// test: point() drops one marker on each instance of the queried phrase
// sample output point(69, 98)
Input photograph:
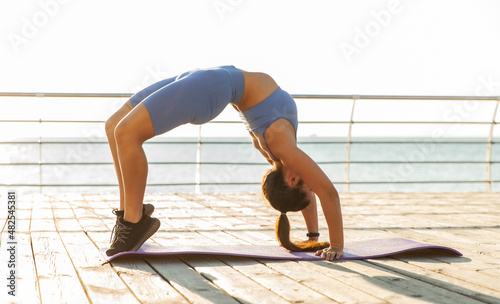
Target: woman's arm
point(316, 179)
point(286, 150)
point(311, 217)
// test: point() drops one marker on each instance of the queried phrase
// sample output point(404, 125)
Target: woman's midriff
point(258, 86)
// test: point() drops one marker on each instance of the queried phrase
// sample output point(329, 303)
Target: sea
point(231, 164)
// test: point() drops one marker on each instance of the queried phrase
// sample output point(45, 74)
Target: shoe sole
point(155, 225)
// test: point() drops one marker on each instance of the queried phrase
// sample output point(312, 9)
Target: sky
point(371, 47)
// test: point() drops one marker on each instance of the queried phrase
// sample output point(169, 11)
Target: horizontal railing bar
point(97, 142)
point(48, 121)
point(371, 122)
point(300, 96)
point(244, 142)
point(77, 95)
point(248, 183)
point(250, 164)
point(150, 163)
point(239, 122)
point(392, 97)
point(364, 162)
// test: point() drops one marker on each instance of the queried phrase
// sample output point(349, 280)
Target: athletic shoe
point(146, 209)
point(130, 236)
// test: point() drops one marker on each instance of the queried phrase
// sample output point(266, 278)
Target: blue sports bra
point(276, 106)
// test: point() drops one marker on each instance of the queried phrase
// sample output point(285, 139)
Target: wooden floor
point(59, 261)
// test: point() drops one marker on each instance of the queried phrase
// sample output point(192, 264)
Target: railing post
point(347, 178)
point(40, 159)
point(489, 149)
point(197, 188)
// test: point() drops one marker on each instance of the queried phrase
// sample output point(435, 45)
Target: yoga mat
point(353, 250)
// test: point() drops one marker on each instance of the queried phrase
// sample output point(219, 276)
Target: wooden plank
point(231, 223)
point(257, 241)
point(23, 225)
point(234, 283)
point(467, 268)
point(479, 241)
point(101, 282)
point(93, 224)
point(469, 242)
point(455, 271)
point(237, 285)
point(283, 286)
point(145, 282)
point(465, 288)
point(27, 279)
point(192, 285)
point(247, 218)
point(342, 293)
point(27, 286)
point(350, 286)
point(55, 270)
point(137, 274)
point(41, 225)
point(186, 212)
point(424, 290)
point(481, 271)
point(63, 213)
point(292, 288)
point(221, 274)
point(211, 200)
point(364, 280)
point(384, 284)
point(68, 225)
point(142, 279)
point(187, 224)
point(465, 239)
point(42, 218)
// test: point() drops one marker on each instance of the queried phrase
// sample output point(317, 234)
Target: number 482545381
point(11, 217)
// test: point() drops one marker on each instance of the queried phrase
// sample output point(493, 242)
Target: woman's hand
point(330, 253)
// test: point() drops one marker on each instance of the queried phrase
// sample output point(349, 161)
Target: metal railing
point(488, 162)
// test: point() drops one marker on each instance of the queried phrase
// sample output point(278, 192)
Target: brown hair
point(284, 199)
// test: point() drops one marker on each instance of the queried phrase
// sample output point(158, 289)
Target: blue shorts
point(194, 97)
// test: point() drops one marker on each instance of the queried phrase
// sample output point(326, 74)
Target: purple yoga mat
point(353, 250)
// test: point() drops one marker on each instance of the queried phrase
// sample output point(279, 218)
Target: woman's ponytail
point(282, 229)
point(286, 199)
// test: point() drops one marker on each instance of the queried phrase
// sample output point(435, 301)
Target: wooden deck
point(59, 237)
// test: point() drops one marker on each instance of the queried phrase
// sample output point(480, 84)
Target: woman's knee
point(113, 121)
point(121, 132)
point(110, 126)
point(135, 128)
point(126, 132)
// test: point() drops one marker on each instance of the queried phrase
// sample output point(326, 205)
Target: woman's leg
point(113, 121)
point(130, 133)
point(110, 127)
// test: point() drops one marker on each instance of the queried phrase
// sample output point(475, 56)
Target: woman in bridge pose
point(196, 97)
